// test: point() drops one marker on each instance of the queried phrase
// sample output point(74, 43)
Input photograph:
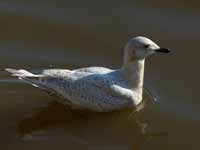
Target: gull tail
point(19, 73)
point(28, 77)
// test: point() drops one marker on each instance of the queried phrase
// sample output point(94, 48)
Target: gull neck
point(134, 74)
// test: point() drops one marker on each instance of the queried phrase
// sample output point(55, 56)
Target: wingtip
point(13, 72)
point(10, 70)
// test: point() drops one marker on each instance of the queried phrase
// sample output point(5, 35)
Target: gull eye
point(146, 46)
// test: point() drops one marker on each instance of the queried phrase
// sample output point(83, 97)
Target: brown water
point(70, 34)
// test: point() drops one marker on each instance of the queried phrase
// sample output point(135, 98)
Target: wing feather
point(95, 91)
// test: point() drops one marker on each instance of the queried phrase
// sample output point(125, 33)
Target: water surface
point(72, 34)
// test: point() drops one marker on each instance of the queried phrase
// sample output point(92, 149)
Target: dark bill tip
point(163, 50)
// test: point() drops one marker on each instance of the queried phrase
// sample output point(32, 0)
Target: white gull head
point(138, 48)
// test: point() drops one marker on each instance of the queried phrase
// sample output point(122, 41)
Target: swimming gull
point(98, 88)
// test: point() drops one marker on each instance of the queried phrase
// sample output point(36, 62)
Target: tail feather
point(33, 79)
point(30, 78)
point(27, 77)
point(19, 73)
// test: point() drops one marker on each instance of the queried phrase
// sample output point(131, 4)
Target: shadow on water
point(126, 128)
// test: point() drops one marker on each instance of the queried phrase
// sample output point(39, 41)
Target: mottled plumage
point(97, 88)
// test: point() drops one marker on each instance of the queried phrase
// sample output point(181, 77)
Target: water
point(71, 34)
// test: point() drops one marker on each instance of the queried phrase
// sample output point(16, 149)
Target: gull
point(98, 88)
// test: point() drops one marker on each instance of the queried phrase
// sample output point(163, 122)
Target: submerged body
point(96, 88)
